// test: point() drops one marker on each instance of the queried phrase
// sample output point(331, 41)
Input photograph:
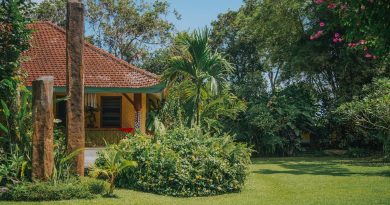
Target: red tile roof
point(47, 57)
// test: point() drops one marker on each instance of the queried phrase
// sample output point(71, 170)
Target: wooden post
point(75, 82)
point(137, 108)
point(42, 121)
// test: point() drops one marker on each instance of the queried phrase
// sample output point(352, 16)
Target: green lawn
point(284, 181)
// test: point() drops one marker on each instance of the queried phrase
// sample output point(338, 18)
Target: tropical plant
point(14, 39)
point(185, 162)
point(204, 70)
point(22, 121)
point(110, 164)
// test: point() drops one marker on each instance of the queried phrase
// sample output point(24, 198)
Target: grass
point(282, 181)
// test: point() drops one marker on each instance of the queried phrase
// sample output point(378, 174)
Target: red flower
point(332, 6)
point(126, 130)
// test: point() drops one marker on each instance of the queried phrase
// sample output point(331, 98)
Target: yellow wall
point(128, 112)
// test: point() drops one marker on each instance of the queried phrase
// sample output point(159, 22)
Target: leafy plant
point(14, 40)
point(203, 69)
point(185, 162)
point(110, 164)
point(95, 186)
point(370, 114)
point(280, 119)
point(47, 191)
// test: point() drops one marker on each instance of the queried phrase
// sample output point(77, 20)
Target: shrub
point(45, 191)
point(185, 162)
point(358, 152)
point(96, 186)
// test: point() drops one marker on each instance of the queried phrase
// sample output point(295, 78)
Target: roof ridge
point(105, 53)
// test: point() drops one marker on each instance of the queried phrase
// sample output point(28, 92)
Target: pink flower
point(312, 38)
point(336, 35)
point(362, 42)
point(322, 24)
point(319, 1)
point(332, 6)
point(338, 40)
point(374, 57)
point(368, 55)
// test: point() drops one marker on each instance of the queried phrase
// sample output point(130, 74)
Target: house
point(116, 93)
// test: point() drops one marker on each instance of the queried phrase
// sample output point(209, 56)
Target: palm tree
point(198, 63)
point(112, 164)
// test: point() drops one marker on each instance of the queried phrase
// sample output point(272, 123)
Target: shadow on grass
point(315, 167)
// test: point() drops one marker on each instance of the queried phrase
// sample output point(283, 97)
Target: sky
point(197, 13)
point(200, 13)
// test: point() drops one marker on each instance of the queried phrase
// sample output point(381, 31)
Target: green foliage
point(46, 191)
point(53, 11)
point(363, 25)
point(357, 152)
point(14, 39)
point(370, 114)
point(185, 162)
point(15, 152)
point(270, 45)
point(129, 29)
point(158, 61)
point(280, 119)
point(13, 166)
point(202, 70)
point(111, 163)
point(96, 186)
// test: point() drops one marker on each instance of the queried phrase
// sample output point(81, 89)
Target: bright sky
point(197, 13)
point(200, 13)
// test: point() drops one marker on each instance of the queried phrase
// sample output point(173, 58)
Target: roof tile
point(47, 56)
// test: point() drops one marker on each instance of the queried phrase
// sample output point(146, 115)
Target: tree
point(242, 52)
point(206, 70)
point(370, 114)
point(14, 40)
point(129, 29)
point(53, 11)
point(157, 61)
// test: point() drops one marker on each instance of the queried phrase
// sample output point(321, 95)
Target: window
point(61, 110)
point(111, 112)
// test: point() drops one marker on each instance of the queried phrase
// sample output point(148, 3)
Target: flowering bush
point(363, 24)
point(185, 162)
